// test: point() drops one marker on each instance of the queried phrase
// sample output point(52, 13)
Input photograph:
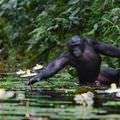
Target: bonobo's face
point(76, 46)
point(77, 51)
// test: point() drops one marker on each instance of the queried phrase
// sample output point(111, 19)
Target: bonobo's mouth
point(77, 53)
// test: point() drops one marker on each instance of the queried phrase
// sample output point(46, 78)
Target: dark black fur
point(85, 56)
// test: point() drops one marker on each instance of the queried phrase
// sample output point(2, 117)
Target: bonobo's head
point(76, 46)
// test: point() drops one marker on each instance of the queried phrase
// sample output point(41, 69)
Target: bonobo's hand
point(33, 80)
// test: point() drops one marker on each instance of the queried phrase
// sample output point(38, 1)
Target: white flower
point(28, 74)
point(20, 72)
point(118, 94)
point(85, 99)
point(37, 67)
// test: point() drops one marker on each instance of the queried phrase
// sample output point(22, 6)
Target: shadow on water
point(53, 104)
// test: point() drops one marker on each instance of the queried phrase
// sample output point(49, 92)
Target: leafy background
point(34, 31)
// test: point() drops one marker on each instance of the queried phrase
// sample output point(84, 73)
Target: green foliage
point(36, 30)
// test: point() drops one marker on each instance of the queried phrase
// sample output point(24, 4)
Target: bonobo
point(85, 56)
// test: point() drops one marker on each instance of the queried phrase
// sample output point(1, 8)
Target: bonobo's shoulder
point(92, 41)
point(65, 54)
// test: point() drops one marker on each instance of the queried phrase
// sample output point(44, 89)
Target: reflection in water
point(58, 104)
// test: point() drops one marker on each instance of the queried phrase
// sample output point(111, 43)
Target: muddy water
point(48, 103)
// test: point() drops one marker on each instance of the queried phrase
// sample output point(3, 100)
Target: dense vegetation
point(35, 30)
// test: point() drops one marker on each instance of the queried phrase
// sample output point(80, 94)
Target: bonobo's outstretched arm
point(50, 70)
point(107, 49)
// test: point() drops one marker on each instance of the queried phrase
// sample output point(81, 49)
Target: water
point(44, 102)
